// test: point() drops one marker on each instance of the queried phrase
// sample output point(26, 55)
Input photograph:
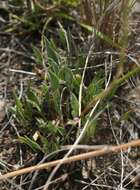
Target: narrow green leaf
point(54, 80)
point(32, 144)
point(90, 131)
point(38, 55)
point(74, 105)
point(66, 75)
point(51, 50)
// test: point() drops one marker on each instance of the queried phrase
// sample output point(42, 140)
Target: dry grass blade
point(83, 156)
point(2, 110)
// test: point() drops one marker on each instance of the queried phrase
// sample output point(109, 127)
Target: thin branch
point(75, 158)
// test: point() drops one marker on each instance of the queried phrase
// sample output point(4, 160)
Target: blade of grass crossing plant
point(64, 37)
point(100, 35)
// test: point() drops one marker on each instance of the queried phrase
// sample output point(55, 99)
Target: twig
point(22, 72)
point(64, 148)
point(85, 147)
point(75, 158)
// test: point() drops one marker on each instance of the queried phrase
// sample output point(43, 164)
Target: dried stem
point(107, 92)
point(83, 156)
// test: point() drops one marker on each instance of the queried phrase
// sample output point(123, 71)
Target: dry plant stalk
point(83, 156)
point(112, 87)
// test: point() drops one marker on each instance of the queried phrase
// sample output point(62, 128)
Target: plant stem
point(107, 92)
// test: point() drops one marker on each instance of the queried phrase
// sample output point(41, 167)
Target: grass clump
point(51, 111)
point(48, 114)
